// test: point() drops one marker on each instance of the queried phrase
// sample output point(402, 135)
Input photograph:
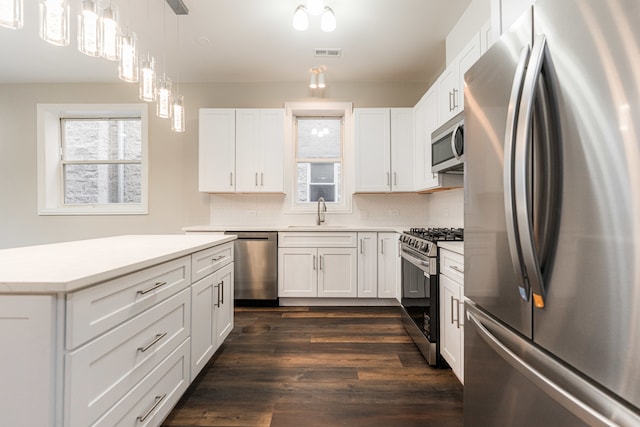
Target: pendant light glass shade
point(313, 81)
point(148, 79)
point(300, 19)
point(128, 67)
point(11, 14)
point(163, 106)
point(110, 34)
point(89, 29)
point(178, 118)
point(328, 20)
point(54, 22)
point(321, 83)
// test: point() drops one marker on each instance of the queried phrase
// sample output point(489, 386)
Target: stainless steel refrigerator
point(552, 220)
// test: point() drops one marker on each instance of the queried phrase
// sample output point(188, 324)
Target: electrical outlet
point(393, 212)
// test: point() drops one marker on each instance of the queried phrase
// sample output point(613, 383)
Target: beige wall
point(174, 200)
point(473, 18)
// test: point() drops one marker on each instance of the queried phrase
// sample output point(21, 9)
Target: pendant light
point(300, 19)
point(110, 34)
point(54, 21)
point(11, 14)
point(163, 106)
point(128, 67)
point(148, 72)
point(89, 29)
point(328, 20)
point(177, 102)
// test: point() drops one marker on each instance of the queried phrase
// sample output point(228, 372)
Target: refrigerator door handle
point(533, 274)
point(508, 173)
point(586, 412)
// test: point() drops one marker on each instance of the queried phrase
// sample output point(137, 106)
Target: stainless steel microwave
point(447, 146)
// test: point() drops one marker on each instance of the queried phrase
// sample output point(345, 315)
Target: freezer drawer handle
point(567, 400)
point(158, 399)
point(218, 258)
point(458, 269)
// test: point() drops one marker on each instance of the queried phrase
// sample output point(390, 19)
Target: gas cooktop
point(437, 234)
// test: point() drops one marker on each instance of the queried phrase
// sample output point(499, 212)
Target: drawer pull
point(152, 343)
point(216, 259)
point(150, 411)
point(458, 269)
point(153, 288)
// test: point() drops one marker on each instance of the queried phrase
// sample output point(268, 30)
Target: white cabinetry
point(241, 150)
point(486, 37)
point(368, 265)
point(217, 150)
point(511, 10)
point(452, 310)
point(259, 150)
point(451, 81)
point(388, 266)
point(321, 264)
point(384, 149)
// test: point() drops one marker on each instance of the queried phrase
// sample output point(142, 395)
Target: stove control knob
point(424, 246)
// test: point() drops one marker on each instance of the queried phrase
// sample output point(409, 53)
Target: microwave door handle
point(522, 172)
point(508, 172)
point(453, 142)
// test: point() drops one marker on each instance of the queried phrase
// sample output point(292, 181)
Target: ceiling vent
point(327, 52)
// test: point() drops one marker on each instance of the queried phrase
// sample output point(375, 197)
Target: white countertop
point(69, 266)
point(327, 227)
point(457, 247)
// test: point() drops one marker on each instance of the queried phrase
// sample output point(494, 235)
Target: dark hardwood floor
point(304, 366)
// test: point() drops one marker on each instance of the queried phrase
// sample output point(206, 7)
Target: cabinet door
point(224, 303)
point(28, 392)
point(426, 121)
point(367, 265)
point(337, 272)
point(388, 266)
point(450, 324)
point(271, 151)
point(297, 272)
point(203, 323)
point(247, 142)
point(216, 156)
point(373, 149)
point(402, 154)
point(448, 92)
point(466, 59)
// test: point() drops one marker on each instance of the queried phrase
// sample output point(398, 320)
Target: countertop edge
point(457, 247)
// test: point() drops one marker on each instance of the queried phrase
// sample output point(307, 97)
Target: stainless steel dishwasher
point(256, 267)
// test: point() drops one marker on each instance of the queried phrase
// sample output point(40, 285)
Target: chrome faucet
point(321, 211)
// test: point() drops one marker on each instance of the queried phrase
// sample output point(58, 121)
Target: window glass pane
point(319, 138)
point(322, 172)
point(102, 184)
point(319, 179)
point(102, 139)
point(321, 190)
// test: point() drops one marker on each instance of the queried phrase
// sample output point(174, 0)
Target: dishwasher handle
point(255, 235)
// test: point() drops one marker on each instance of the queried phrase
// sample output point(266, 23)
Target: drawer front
point(320, 239)
point(209, 260)
point(95, 310)
point(151, 400)
point(99, 374)
point(452, 265)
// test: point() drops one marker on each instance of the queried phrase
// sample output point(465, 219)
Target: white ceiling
point(250, 41)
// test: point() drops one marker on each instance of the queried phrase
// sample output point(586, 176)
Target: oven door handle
point(421, 264)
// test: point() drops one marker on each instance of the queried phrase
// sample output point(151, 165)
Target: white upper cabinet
point(259, 150)
point(451, 82)
point(511, 10)
point(241, 150)
point(384, 149)
point(486, 37)
point(217, 155)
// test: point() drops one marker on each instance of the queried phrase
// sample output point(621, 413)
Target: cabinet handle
point(217, 304)
point(460, 303)
point(361, 246)
point(216, 259)
point(314, 262)
point(155, 405)
point(457, 311)
point(320, 262)
point(450, 102)
point(382, 246)
point(256, 179)
point(388, 179)
point(395, 179)
point(152, 343)
point(262, 179)
point(452, 318)
point(455, 104)
point(153, 288)
point(231, 179)
point(222, 292)
point(458, 269)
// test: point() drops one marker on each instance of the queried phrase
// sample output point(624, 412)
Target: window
point(92, 159)
point(319, 154)
point(319, 159)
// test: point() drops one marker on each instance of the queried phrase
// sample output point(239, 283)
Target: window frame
point(50, 160)
point(343, 110)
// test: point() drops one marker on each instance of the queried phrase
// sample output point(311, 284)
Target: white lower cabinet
point(368, 265)
point(452, 311)
point(321, 264)
point(388, 266)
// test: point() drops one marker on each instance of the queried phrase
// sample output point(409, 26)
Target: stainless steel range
point(420, 314)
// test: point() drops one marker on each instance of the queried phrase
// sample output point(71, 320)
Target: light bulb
point(328, 20)
point(313, 83)
point(128, 67)
point(321, 83)
point(178, 119)
point(110, 35)
point(88, 29)
point(148, 79)
point(300, 19)
point(163, 106)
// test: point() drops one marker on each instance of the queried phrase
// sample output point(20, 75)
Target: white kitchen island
point(101, 332)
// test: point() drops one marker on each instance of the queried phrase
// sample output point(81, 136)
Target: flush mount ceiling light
point(314, 8)
point(11, 14)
